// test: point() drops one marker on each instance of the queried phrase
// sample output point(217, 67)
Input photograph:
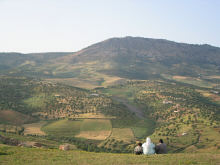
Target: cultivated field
point(194, 81)
point(92, 116)
point(95, 129)
point(88, 79)
point(65, 128)
point(95, 125)
point(190, 80)
point(34, 128)
point(94, 135)
point(213, 96)
point(124, 134)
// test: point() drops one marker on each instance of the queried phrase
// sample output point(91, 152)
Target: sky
point(69, 25)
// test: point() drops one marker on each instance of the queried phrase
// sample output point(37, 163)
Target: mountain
point(153, 97)
point(135, 57)
point(114, 59)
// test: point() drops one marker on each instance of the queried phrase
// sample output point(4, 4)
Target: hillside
point(187, 119)
point(41, 99)
point(111, 119)
point(18, 155)
point(35, 107)
point(135, 57)
point(130, 88)
point(114, 60)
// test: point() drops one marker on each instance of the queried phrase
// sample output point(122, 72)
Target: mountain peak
point(138, 57)
point(132, 56)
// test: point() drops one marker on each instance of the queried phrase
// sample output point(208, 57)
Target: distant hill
point(14, 59)
point(135, 57)
point(129, 57)
point(32, 64)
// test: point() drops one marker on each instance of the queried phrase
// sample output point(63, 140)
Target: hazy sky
point(70, 25)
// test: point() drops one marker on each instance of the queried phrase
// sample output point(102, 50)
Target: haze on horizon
point(53, 25)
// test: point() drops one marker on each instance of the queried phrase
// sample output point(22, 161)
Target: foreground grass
point(31, 156)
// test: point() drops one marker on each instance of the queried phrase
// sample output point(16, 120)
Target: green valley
point(108, 97)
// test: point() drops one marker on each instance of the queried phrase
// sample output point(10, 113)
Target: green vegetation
point(180, 112)
point(37, 101)
point(135, 87)
point(95, 125)
point(34, 128)
point(15, 137)
point(112, 119)
point(63, 128)
point(47, 100)
point(95, 129)
point(31, 156)
point(200, 82)
point(143, 128)
point(69, 111)
point(109, 62)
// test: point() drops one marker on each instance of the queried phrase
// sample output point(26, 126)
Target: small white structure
point(94, 94)
point(215, 92)
point(184, 133)
point(167, 102)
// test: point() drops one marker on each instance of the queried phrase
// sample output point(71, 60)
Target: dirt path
point(138, 112)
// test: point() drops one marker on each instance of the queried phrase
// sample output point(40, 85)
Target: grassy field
point(208, 94)
point(126, 93)
point(65, 128)
point(96, 125)
point(143, 128)
point(190, 80)
point(93, 116)
point(36, 101)
point(95, 129)
point(34, 128)
point(88, 79)
point(209, 139)
point(33, 156)
point(124, 134)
